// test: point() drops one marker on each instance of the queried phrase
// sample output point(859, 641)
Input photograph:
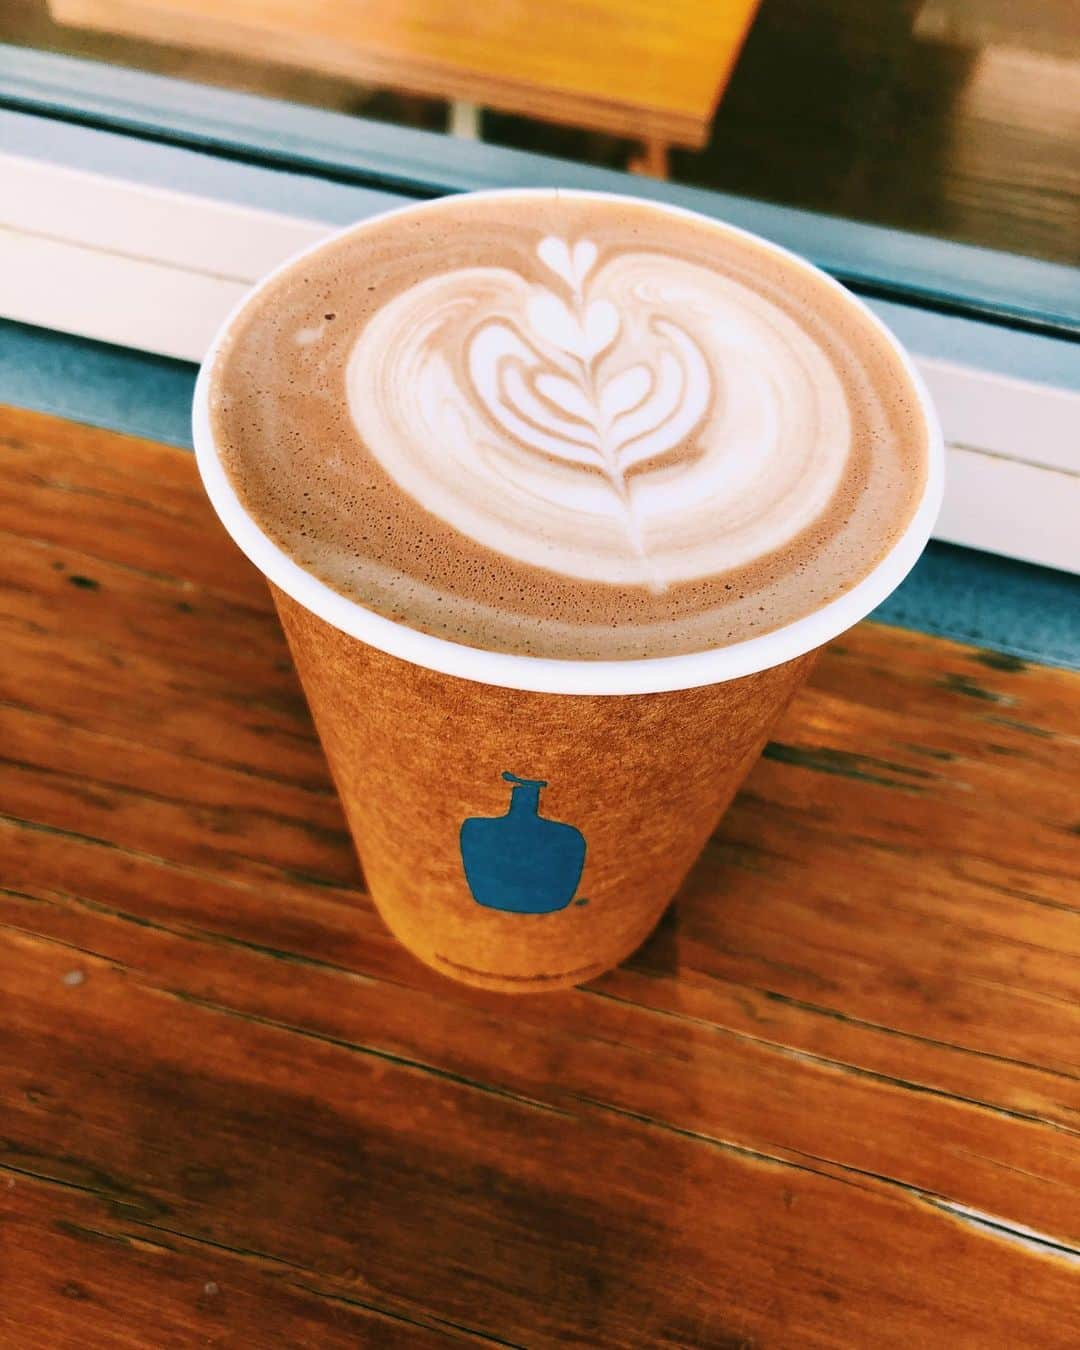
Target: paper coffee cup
point(523, 822)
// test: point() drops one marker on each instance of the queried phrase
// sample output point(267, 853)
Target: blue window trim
point(893, 265)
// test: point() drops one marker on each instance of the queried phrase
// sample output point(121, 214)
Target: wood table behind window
point(834, 1101)
point(650, 70)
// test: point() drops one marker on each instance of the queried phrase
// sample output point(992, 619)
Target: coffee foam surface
point(568, 426)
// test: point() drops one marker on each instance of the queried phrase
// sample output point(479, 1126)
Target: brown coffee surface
point(568, 426)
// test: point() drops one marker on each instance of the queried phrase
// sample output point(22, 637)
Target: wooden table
point(833, 1101)
point(646, 69)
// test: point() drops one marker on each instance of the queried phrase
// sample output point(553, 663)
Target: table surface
point(631, 67)
point(832, 1102)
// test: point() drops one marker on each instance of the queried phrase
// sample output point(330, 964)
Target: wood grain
point(835, 1100)
point(634, 67)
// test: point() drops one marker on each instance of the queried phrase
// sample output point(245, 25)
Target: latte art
point(569, 426)
point(638, 420)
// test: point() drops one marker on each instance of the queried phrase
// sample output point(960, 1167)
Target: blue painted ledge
point(1029, 612)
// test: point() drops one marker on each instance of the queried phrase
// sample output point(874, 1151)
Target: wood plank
point(834, 1101)
point(63, 485)
point(131, 1289)
point(443, 1198)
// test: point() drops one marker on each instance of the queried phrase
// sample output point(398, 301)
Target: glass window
point(954, 118)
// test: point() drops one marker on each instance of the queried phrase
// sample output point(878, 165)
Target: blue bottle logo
point(521, 861)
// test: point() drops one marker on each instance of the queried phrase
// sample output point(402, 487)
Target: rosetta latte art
point(639, 420)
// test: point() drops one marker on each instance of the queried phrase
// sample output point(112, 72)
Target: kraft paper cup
point(523, 822)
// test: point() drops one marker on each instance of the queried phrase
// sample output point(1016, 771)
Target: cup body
point(523, 822)
point(520, 840)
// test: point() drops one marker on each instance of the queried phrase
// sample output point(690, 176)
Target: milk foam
point(566, 426)
point(637, 421)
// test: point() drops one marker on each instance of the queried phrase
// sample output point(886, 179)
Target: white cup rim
point(646, 675)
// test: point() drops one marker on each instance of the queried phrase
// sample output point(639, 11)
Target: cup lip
point(551, 675)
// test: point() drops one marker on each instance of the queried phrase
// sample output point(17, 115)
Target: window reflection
point(959, 118)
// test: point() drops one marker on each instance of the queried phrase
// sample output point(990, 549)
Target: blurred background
point(957, 118)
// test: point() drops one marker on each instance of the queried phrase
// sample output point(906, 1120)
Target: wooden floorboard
point(834, 1101)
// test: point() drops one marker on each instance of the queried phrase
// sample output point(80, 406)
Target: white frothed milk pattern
point(637, 419)
point(570, 427)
